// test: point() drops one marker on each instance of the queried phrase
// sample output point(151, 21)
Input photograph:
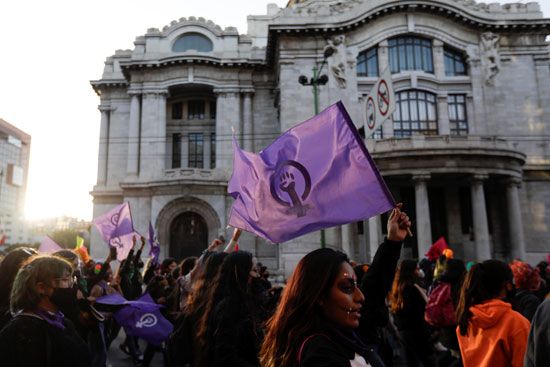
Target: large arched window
point(455, 63)
point(367, 62)
point(415, 112)
point(193, 41)
point(410, 53)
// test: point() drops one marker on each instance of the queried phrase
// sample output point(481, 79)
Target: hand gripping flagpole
point(236, 234)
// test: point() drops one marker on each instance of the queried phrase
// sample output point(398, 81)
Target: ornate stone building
point(467, 149)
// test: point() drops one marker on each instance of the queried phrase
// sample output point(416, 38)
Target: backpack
point(440, 311)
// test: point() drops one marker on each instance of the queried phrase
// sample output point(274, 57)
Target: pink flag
point(123, 244)
point(48, 246)
point(436, 250)
point(115, 223)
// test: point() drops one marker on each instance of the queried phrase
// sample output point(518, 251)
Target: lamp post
point(315, 81)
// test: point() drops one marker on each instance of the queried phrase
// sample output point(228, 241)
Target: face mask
point(421, 274)
point(64, 298)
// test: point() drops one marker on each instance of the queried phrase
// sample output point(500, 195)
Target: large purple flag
point(142, 318)
point(48, 246)
point(115, 223)
point(154, 250)
point(123, 244)
point(316, 175)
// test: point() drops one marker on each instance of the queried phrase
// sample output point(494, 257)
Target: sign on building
point(380, 103)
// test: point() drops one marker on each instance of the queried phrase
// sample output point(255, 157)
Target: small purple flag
point(123, 244)
point(48, 246)
point(154, 250)
point(316, 175)
point(142, 318)
point(115, 223)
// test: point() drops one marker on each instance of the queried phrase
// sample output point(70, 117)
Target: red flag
point(436, 250)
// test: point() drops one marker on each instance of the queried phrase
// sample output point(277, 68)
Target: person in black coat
point(538, 351)
point(321, 307)
point(39, 335)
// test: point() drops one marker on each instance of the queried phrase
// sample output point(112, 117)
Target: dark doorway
point(188, 235)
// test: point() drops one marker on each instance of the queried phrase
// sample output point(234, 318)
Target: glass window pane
point(410, 58)
point(405, 110)
point(402, 58)
point(394, 62)
point(431, 111)
point(422, 110)
point(193, 41)
point(461, 114)
point(414, 110)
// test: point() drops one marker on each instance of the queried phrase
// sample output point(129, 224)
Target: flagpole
point(236, 234)
point(314, 84)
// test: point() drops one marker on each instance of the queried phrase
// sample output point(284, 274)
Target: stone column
point(153, 135)
point(228, 115)
point(443, 115)
point(133, 136)
point(248, 132)
point(103, 146)
point(517, 241)
point(479, 218)
point(439, 62)
point(347, 240)
point(423, 223)
point(207, 151)
point(374, 236)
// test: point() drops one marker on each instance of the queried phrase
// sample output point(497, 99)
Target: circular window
point(192, 41)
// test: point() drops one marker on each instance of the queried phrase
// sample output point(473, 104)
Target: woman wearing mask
point(489, 332)
point(315, 322)
point(39, 335)
point(408, 304)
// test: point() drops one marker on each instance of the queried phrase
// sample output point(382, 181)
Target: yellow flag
point(79, 242)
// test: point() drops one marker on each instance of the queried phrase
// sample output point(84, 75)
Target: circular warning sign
point(371, 113)
point(383, 98)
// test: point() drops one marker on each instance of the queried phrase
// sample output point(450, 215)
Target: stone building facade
point(467, 149)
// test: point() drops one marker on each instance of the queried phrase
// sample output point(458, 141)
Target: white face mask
point(421, 274)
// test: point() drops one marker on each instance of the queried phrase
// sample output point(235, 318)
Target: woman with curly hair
point(527, 281)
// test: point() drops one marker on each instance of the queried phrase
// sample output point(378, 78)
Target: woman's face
point(343, 303)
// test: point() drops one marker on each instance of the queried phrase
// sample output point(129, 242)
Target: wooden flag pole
point(236, 234)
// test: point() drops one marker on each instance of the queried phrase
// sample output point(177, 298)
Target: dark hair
point(298, 314)
point(8, 270)
point(196, 301)
point(404, 276)
point(164, 267)
point(187, 265)
point(483, 282)
point(66, 255)
point(229, 286)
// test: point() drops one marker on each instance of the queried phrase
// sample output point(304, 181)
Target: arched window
point(367, 62)
point(193, 41)
point(455, 64)
point(410, 53)
point(415, 112)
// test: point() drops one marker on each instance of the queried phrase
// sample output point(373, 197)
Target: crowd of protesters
point(331, 311)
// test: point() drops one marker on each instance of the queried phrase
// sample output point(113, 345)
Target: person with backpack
point(442, 303)
point(320, 309)
point(39, 335)
point(489, 332)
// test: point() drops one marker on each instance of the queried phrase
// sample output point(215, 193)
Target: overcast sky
point(50, 50)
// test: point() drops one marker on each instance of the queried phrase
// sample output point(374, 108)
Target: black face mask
point(64, 298)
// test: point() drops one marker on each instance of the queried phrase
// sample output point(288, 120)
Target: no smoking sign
point(380, 103)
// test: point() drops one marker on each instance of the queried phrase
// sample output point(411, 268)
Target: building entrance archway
point(188, 235)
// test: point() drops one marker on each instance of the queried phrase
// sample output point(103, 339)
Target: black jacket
point(323, 350)
point(375, 286)
point(30, 341)
point(526, 303)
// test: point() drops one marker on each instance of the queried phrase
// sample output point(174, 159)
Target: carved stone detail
point(490, 59)
point(340, 60)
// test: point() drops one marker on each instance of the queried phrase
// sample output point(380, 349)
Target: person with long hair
point(319, 310)
point(39, 334)
point(408, 304)
point(489, 332)
point(227, 332)
point(8, 270)
point(527, 282)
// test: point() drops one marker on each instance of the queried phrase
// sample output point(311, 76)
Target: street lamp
point(315, 81)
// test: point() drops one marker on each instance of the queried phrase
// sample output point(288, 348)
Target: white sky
point(50, 50)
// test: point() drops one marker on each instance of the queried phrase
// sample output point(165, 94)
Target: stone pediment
point(175, 25)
